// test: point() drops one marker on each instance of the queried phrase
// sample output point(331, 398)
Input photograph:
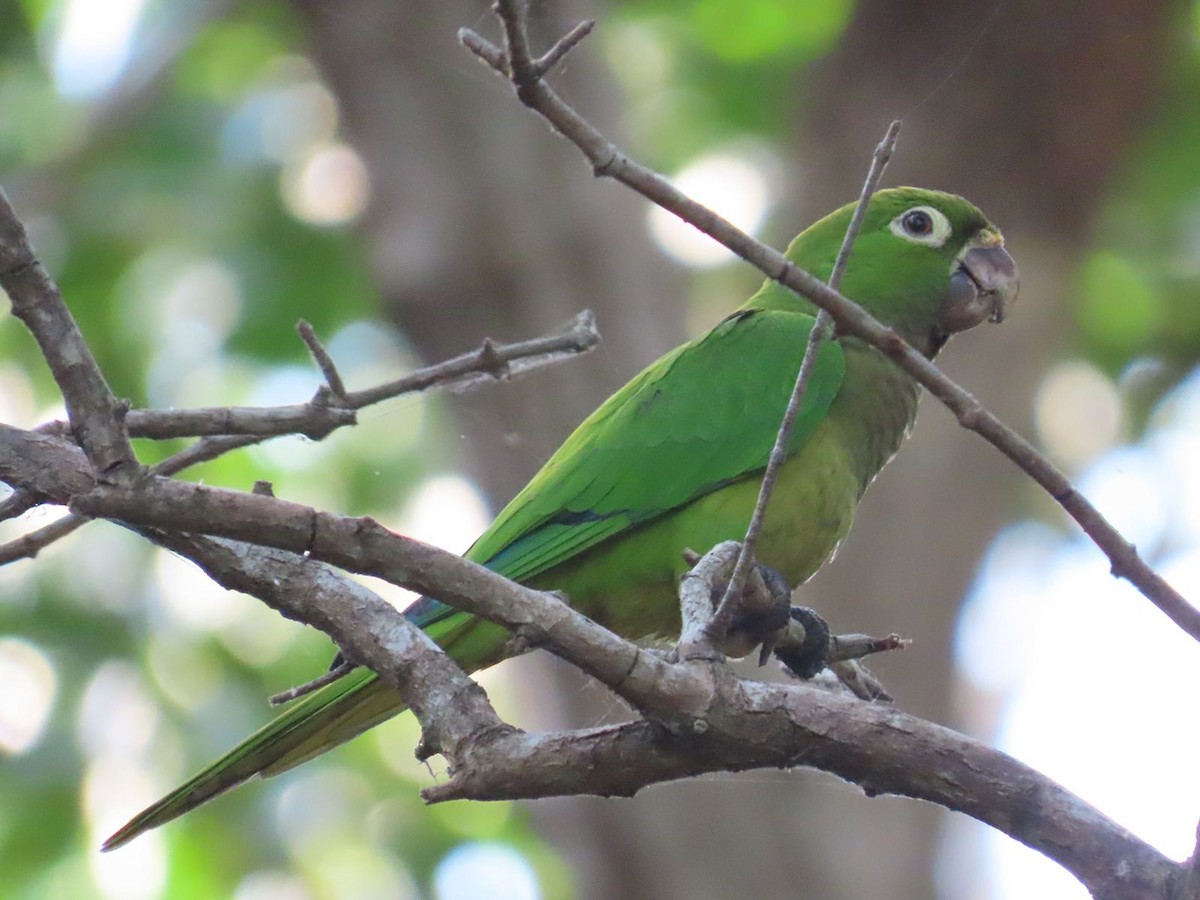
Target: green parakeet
point(673, 460)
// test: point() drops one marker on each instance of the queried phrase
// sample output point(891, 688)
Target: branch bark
point(700, 717)
point(96, 417)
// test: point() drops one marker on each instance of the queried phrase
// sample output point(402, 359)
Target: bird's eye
point(924, 225)
point(917, 222)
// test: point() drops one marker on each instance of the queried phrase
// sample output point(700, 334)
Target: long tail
point(320, 722)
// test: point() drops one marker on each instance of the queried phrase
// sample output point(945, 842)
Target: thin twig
point(224, 429)
point(19, 502)
point(779, 452)
point(205, 450)
point(608, 160)
point(561, 48)
point(29, 545)
point(484, 49)
point(301, 690)
point(321, 357)
point(316, 420)
point(844, 647)
point(491, 358)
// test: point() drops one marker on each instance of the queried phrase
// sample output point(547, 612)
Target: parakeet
point(674, 458)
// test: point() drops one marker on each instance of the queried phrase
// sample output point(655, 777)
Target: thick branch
point(363, 545)
point(882, 750)
point(449, 705)
point(452, 708)
point(714, 720)
point(96, 416)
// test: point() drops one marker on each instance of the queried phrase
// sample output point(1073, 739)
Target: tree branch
point(882, 750)
point(702, 717)
point(699, 716)
point(608, 161)
point(821, 329)
point(317, 418)
point(223, 429)
point(451, 706)
point(96, 416)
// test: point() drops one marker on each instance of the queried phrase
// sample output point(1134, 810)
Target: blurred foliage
point(1138, 293)
point(695, 69)
point(161, 209)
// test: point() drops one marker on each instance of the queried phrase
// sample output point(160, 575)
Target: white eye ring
point(922, 225)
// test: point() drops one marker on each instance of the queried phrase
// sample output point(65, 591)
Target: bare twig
point(97, 418)
point(779, 452)
point(205, 450)
point(19, 502)
point(608, 160)
point(341, 670)
point(29, 545)
point(561, 48)
point(490, 360)
point(224, 429)
point(843, 647)
point(316, 420)
point(321, 357)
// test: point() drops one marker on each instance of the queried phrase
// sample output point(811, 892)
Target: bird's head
point(927, 263)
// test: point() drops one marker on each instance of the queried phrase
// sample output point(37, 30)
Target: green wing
point(701, 417)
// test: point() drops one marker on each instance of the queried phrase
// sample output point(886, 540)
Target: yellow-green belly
point(629, 584)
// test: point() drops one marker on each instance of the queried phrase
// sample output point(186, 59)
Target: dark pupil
point(917, 222)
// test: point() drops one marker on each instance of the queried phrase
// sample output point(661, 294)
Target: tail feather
point(322, 721)
point(329, 717)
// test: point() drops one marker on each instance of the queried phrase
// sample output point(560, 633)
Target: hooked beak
point(983, 285)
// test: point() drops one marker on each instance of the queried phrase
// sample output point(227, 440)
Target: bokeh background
point(198, 175)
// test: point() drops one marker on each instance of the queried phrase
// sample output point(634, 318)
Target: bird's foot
point(762, 616)
point(806, 657)
point(808, 647)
